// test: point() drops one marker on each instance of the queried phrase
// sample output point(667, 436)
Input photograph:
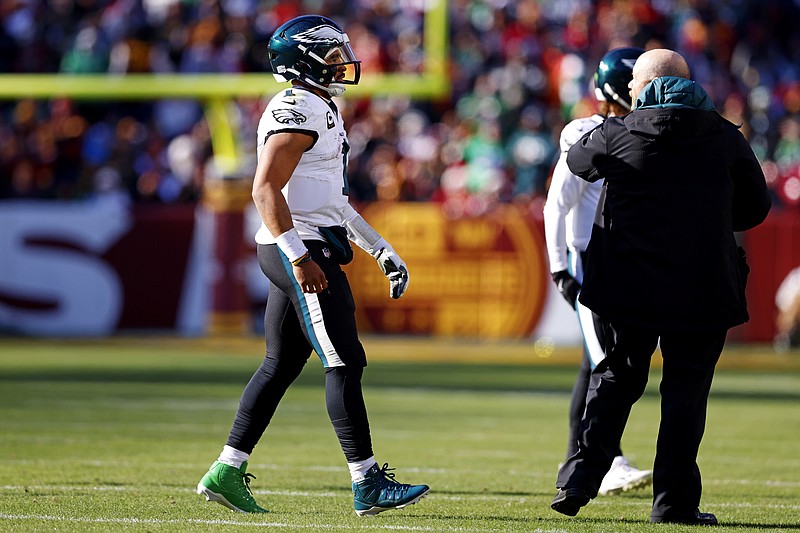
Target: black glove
point(567, 286)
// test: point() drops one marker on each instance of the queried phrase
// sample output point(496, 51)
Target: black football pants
point(616, 383)
point(295, 323)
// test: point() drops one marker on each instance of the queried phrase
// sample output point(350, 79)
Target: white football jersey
point(317, 192)
point(571, 202)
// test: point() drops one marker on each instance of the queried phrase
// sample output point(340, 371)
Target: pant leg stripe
point(314, 321)
point(585, 319)
point(593, 347)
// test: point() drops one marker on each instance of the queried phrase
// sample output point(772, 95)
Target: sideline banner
point(480, 277)
point(100, 267)
point(93, 268)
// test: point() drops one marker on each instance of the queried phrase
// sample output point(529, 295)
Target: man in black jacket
point(663, 267)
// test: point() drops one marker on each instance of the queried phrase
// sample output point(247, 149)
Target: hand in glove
point(567, 286)
point(395, 269)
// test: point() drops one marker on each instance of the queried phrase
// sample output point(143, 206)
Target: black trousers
point(577, 406)
point(295, 324)
point(593, 351)
point(618, 382)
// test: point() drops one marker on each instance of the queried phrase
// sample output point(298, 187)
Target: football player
point(301, 192)
point(569, 213)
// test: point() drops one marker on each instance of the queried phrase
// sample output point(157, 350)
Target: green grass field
point(114, 435)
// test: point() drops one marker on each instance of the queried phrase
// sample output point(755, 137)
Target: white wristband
point(291, 245)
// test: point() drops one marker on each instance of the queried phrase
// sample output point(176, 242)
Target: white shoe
point(622, 477)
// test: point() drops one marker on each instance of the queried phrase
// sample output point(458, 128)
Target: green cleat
point(379, 492)
point(229, 486)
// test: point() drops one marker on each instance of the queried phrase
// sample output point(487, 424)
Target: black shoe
point(569, 501)
point(699, 519)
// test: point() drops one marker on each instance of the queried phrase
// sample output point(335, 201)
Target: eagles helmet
point(314, 50)
point(613, 75)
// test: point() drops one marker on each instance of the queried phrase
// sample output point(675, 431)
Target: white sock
point(359, 468)
point(233, 457)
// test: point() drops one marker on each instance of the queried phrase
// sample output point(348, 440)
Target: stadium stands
point(519, 70)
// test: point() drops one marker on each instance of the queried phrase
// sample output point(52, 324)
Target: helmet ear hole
point(303, 67)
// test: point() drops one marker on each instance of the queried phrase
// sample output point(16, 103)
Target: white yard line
point(434, 495)
point(188, 521)
point(191, 521)
point(343, 470)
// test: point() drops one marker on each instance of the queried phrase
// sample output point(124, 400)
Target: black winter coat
point(679, 182)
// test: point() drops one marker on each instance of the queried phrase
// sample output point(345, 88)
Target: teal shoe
point(379, 492)
point(229, 486)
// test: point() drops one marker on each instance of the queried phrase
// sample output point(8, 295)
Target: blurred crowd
point(519, 71)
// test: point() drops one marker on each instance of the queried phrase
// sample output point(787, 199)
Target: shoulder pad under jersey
point(297, 109)
point(576, 129)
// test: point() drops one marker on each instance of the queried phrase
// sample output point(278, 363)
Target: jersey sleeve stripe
point(311, 133)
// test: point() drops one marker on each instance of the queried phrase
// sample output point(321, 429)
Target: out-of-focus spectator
point(518, 72)
point(531, 152)
point(787, 323)
point(88, 55)
point(787, 150)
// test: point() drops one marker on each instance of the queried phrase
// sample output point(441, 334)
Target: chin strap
point(333, 89)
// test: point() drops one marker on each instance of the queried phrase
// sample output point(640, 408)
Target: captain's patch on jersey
point(285, 116)
point(329, 118)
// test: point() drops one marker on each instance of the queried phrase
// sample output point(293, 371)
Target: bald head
point(654, 64)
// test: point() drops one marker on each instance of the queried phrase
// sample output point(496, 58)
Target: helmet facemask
point(338, 66)
point(319, 55)
point(608, 93)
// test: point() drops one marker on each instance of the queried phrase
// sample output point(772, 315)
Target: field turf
point(113, 435)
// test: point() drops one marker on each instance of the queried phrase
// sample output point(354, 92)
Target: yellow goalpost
point(431, 83)
point(215, 89)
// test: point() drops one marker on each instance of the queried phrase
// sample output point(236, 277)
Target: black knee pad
point(347, 411)
point(343, 391)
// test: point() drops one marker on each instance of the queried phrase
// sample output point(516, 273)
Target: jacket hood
point(674, 109)
point(670, 92)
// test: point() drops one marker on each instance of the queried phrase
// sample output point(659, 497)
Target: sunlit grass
point(114, 436)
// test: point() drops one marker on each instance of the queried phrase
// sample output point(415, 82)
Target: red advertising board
point(98, 268)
